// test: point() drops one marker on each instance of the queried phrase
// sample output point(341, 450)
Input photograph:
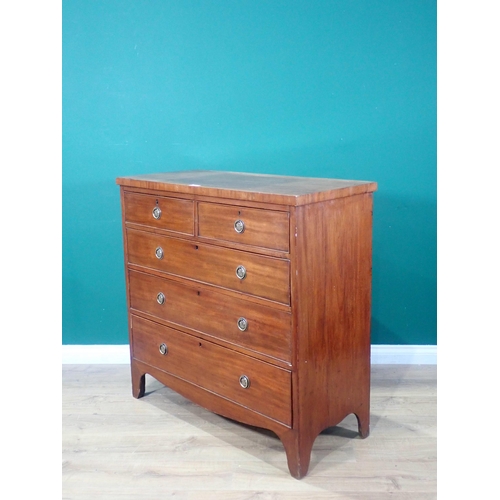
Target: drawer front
point(238, 321)
point(215, 368)
point(265, 277)
point(172, 214)
point(250, 226)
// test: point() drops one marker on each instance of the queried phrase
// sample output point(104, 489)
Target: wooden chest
point(250, 295)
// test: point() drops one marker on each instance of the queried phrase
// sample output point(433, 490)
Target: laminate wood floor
point(163, 446)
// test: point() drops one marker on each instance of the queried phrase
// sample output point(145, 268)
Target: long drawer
point(246, 272)
point(252, 326)
point(257, 385)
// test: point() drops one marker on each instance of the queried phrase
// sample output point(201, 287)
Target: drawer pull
point(160, 298)
point(244, 382)
point(159, 253)
point(156, 212)
point(163, 349)
point(242, 324)
point(239, 226)
point(241, 272)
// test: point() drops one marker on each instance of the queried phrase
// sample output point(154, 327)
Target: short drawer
point(246, 324)
point(172, 214)
point(257, 385)
point(250, 226)
point(246, 272)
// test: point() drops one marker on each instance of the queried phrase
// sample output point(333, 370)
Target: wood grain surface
point(306, 255)
point(331, 304)
point(214, 368)
point(262, 228)
point(175, 214)
point(279, 189)
point(163, 446)
point(212, 264)
point(208, 312)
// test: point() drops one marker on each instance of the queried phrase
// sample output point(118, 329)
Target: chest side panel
point(332, 296)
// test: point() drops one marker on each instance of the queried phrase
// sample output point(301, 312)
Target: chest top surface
point(279, 189)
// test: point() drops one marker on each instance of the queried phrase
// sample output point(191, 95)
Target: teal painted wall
point(343, 89)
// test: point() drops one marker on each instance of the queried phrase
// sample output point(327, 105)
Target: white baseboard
point(119, 354)
point(404, 355)
point(95, 354)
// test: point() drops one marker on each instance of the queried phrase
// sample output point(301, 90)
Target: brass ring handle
point(156, 212)
point(244, 382)
point(159, 253)
point(163, 349)
point(241, 272)
point(242, 324)
point(239, 226)
point(160, 298)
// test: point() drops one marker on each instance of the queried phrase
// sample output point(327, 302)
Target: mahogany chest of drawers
point(250, 295)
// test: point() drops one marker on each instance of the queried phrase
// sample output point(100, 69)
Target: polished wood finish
point(215, 369)
point(279, 189)
point(164, 446)
point(266, 277)
point(332, 320)
point(263, 228)
point(307, 292)
point(213, 314)
point(175, 214)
